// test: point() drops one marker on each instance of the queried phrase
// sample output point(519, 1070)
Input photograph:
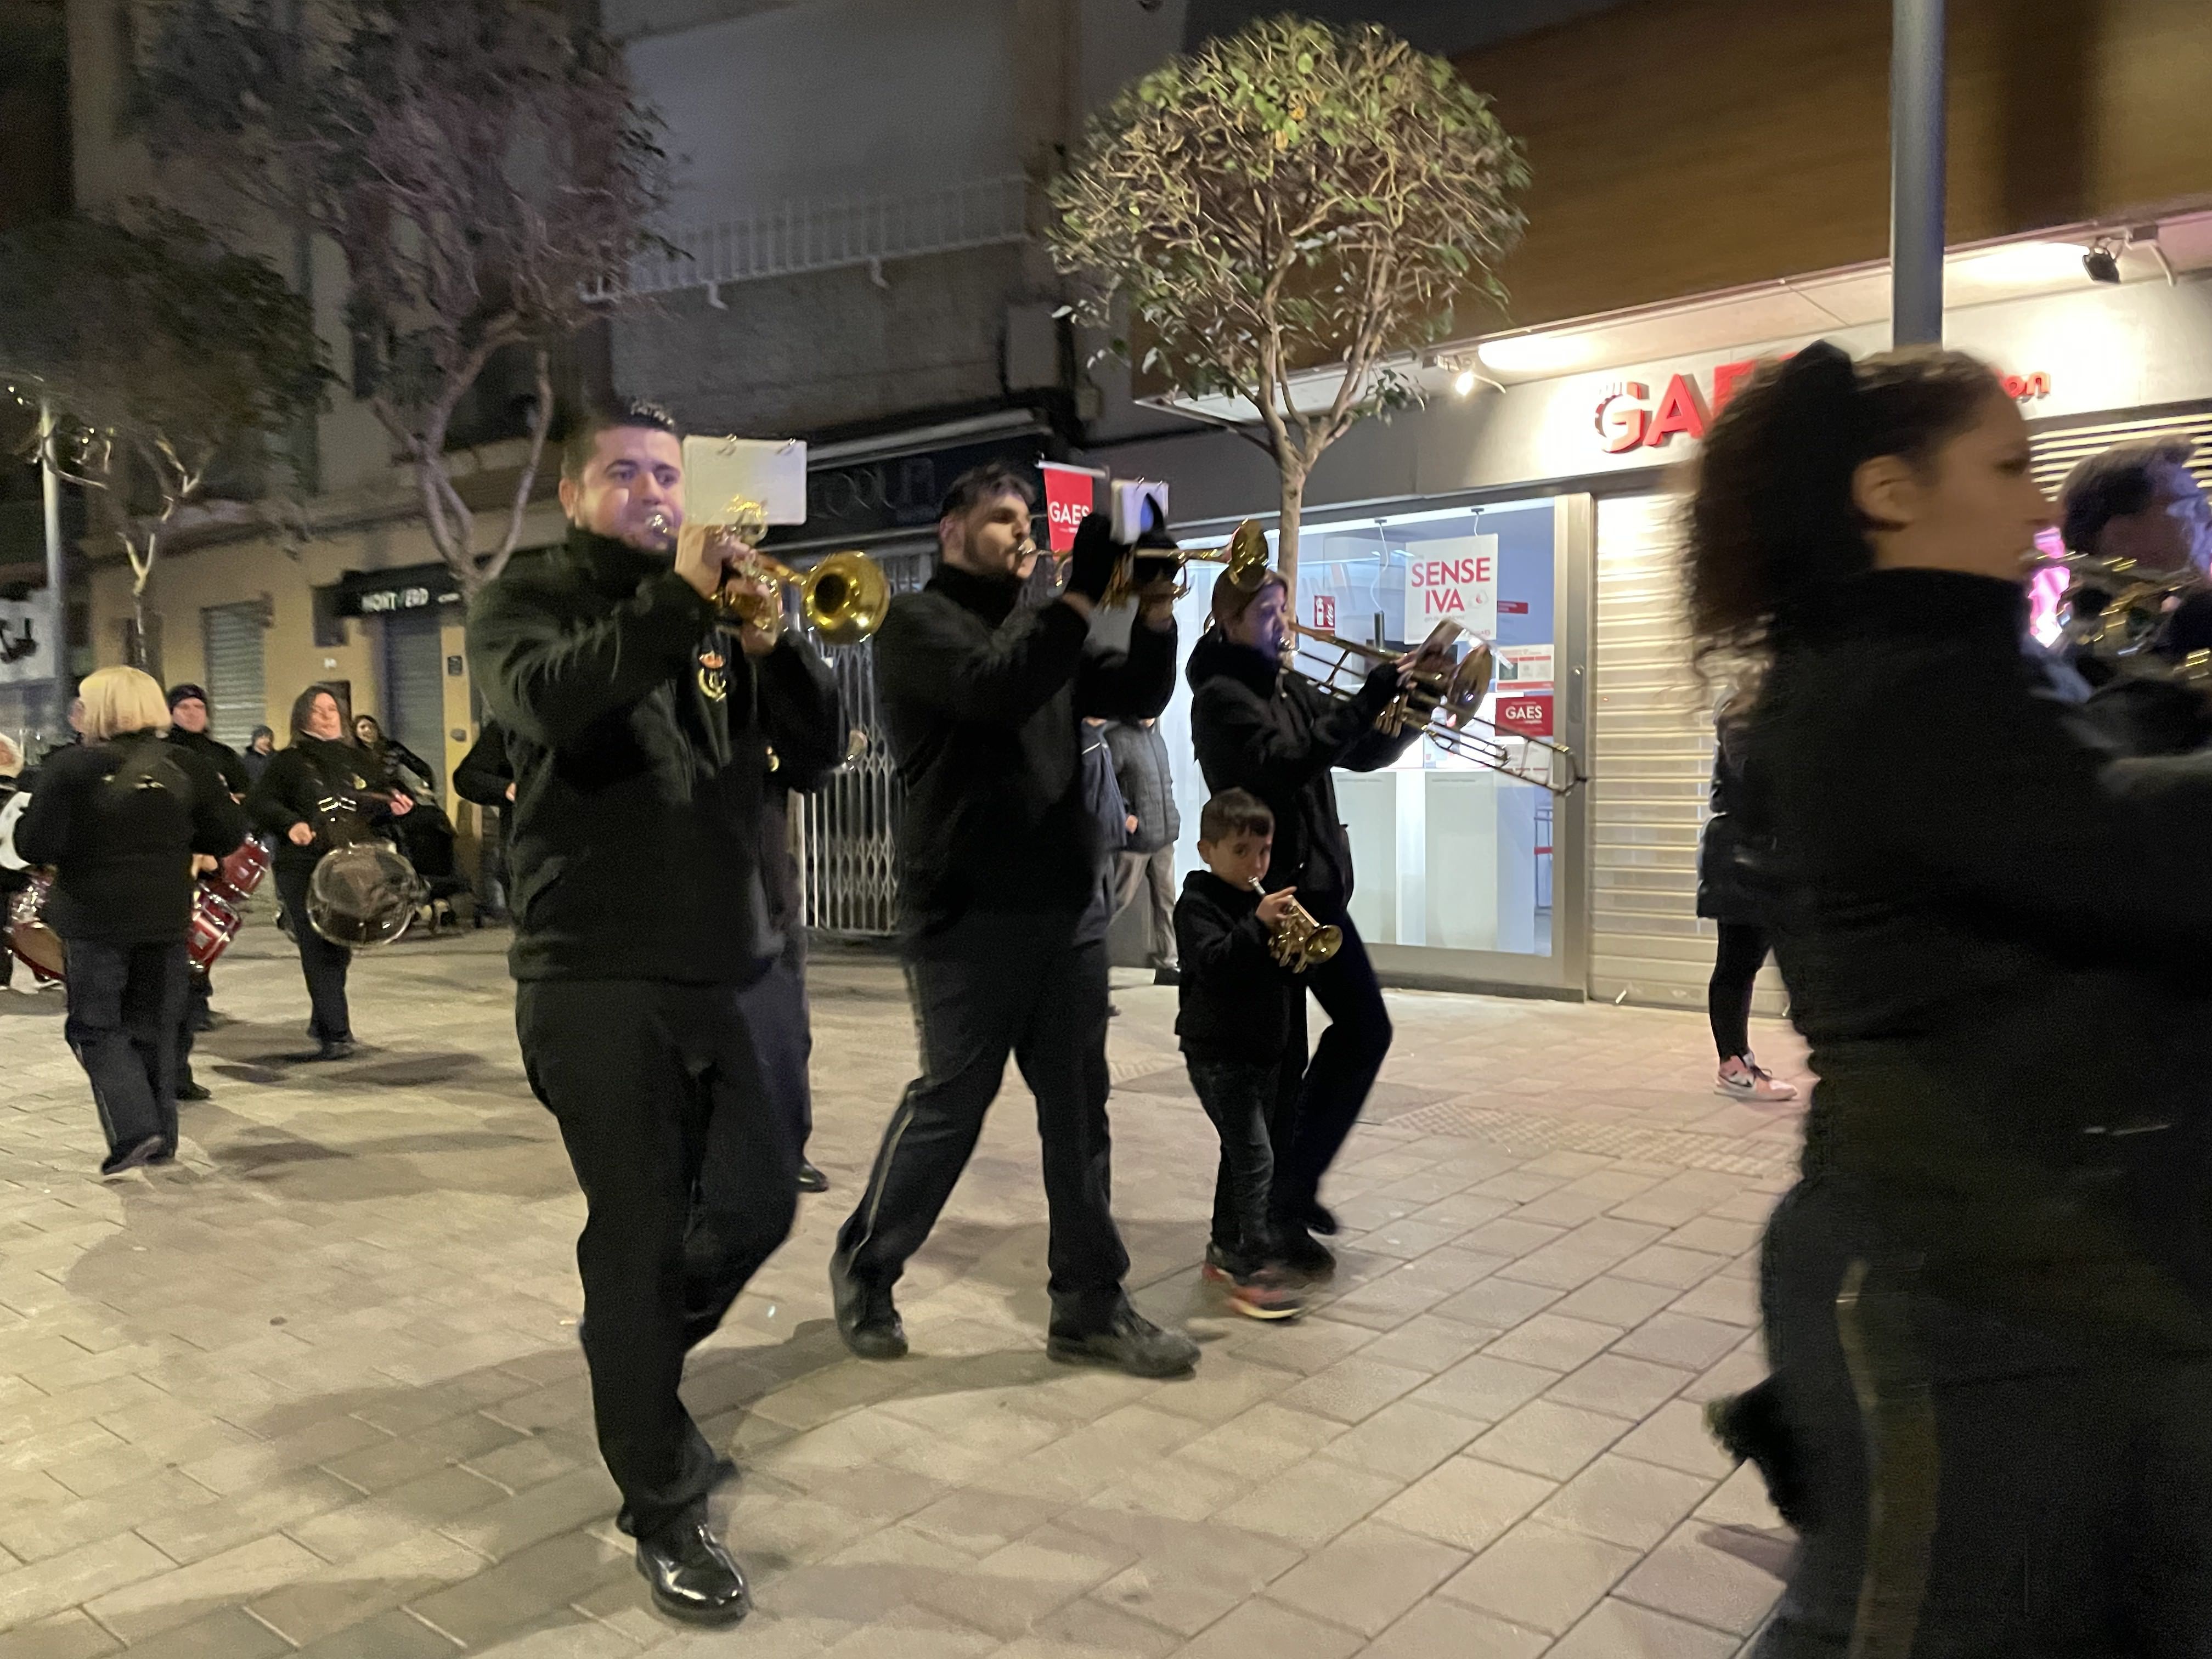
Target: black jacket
point(484, 774)
point(220, 756)
point(1731, 851)
point(299, 778)
point(980, 703)
point(639, 737)
point(1996, 941)
point(1256, 727)
point(1233, 1005)
point(119, 823)
point(1140, 767)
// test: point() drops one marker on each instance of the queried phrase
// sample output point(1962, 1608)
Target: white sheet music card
point(719, 472)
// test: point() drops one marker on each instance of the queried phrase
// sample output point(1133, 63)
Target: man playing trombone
point(999, 857)
point(639, 732)
point(1258, 726)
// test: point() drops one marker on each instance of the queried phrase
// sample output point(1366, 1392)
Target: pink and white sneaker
point(1743, 1078)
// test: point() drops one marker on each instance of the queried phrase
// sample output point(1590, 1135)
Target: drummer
point(188, 729)
point(119, 819)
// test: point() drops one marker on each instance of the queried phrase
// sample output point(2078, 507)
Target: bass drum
point(37, 944)
point(213, 926)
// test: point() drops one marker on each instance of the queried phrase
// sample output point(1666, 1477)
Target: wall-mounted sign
point(1071, 494)
point(1628, 417)
point(1324, 612)
point(1526, 714)
point(1453, 578)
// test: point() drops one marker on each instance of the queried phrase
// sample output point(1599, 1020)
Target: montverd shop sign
point(1629, 417)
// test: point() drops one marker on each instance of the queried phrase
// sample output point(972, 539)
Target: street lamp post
point(1916, 171)
point(56, 606)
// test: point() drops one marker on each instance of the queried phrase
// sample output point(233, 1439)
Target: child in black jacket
point(1234, 1021)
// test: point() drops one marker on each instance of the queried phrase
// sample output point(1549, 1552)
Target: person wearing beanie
point(188, 730)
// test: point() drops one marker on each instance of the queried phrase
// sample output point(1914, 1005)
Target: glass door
point(1465, 875)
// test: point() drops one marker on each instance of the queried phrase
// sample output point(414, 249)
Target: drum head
point(363, 896)
point(214, 924)
point(39, 948)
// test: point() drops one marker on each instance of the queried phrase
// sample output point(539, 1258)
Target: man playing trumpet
point(640, 734)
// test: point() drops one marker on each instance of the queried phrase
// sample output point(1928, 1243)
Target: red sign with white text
point(1070, 494)
point(1530, 716)
point(1324, 609)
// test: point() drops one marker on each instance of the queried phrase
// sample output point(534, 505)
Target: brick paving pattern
point(316, 1389)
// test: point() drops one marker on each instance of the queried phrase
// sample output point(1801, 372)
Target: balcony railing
point(801, 237)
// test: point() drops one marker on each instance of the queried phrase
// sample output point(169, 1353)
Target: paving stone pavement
point(317, 1388)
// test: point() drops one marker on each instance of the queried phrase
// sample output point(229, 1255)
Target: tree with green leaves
point(483, 166)
point(1292, 198)
point(162, 360)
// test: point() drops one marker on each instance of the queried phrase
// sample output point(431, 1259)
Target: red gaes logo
point(1627, 418)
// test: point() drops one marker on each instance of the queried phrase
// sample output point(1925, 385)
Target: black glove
point(1090, 566)
point(1381, 689)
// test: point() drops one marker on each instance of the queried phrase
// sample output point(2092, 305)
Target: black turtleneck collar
point(1947, 604)
point(615, 567)
point(991, 598)
point(1216, 656)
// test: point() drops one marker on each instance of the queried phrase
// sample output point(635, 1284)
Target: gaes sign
point(1627, 419)
point(1453, 578)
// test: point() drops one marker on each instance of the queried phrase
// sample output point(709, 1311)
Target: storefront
point(1542, 518)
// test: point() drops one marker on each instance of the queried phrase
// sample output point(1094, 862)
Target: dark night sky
point(1446, 26)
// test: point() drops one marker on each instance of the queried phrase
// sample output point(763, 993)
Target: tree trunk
point(1287, 538)
point(140, 658)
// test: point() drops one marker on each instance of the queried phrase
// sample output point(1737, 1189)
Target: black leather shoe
point(193, 1091)
point(334, 1048)
point(1319, 1219)
point(1164, 975)
point(692, 1576)
point(866, 1319)
point(811, 1180)
point(1306, 1255)
point(1130, 1343)
point(137, 1156)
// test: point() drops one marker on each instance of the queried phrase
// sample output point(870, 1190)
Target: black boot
point(811, 1180)
point(1129, 1342)
point(866, 1318)
point(692, 1576)
point(1305, 1255)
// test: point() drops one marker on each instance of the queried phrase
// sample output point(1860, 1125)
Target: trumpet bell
point(1327, 940)
point(845, 598)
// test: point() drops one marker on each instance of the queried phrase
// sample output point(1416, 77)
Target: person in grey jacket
point(1146, 861)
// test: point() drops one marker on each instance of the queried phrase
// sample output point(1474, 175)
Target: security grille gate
point(849, 861)
point(238, 693)
point(415, 686)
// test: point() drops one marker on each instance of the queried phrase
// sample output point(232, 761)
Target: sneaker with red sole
point(1745, 1078)
point(1262, 1292)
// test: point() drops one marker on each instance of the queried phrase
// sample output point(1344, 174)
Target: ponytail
point(1772, 521)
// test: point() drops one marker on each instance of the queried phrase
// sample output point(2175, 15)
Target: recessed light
point(1536, 354)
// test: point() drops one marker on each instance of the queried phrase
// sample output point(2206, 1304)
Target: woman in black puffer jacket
point(1988, 1303)
point(1727, 852)
point(309, 786)
point(118, 819)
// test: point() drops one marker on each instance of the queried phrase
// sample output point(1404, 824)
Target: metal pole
point(1916, 172)
point(56, 640)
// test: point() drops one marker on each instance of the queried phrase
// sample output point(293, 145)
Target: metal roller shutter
point(238, 693)
point(1651, 762)
point(415, 686)
point(2057, 451)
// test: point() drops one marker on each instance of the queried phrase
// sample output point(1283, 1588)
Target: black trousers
point(783, 1035)
point(1740, 954)
point(691, 1181)
point(1240, 1099)
point(991, 986)
point(1318, 1101)
point(198, 988)
point(126, 1006)
point(323, 963)
point(1977, 1487)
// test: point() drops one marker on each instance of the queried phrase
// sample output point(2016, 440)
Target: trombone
point(1162, 573)
point(1441, 704)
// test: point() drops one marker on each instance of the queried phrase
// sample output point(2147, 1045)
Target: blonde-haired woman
point(118, 818)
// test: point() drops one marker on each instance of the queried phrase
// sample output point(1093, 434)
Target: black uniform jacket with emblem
point(325, 785)
point(640, 740)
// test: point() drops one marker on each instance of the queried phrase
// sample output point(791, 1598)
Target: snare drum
point(29, 937)
point(213, 926)
point(234, 880)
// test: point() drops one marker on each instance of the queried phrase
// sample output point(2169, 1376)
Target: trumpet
point(844, 597)
point(1162, 573)
point(2129, 624)
point(1440, 703)
point(1301, 942)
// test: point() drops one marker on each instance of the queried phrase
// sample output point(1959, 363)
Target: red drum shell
point(37, 944)
point(236, 878)
point(213, 926)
